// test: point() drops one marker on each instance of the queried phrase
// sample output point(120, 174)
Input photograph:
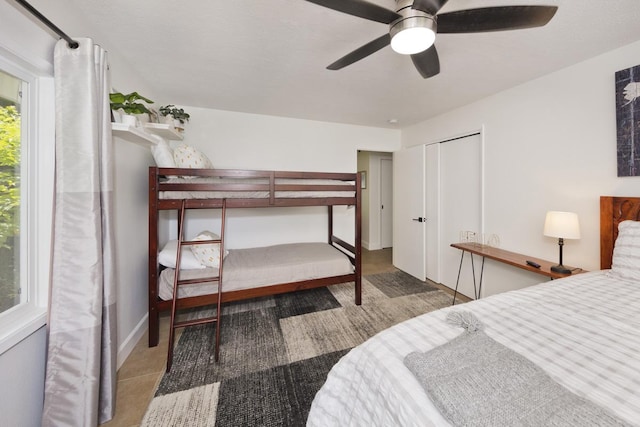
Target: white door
point(386, 203)
point(460, 201)
point(408, 208)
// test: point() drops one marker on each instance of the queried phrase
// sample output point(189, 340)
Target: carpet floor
point(276, 352)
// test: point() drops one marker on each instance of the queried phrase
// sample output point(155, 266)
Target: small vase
point(116, 116)
point(143, 118)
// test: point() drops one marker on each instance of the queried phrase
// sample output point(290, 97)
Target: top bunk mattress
point(264, 266)
point(231, 188)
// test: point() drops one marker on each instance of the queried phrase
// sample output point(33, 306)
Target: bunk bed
point(170, 188)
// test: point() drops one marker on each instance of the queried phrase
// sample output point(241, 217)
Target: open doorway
point(377, 199)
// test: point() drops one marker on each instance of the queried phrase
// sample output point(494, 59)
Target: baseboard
point(371, 247)
point(130, 342)
point(365, 244)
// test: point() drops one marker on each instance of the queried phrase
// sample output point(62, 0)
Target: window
point(11, 293)
point(26, 197)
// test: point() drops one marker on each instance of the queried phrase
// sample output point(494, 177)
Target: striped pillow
point(626, 253)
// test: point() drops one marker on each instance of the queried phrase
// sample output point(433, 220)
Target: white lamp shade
point(562, 225)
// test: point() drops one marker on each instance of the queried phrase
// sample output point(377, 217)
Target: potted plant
point(174, 115)
point(129, 105)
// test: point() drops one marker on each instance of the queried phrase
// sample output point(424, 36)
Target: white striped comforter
point(583, 330)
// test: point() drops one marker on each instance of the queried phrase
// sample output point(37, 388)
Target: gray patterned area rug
point(276, 352)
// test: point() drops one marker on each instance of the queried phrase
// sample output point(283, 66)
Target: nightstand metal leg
point(477, 285)
point(473, 273)
point(455, 292)
point(480, 283)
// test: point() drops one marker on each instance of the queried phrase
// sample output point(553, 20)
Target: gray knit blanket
point(475, 381)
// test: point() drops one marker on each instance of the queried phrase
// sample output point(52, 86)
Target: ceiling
point(270, 56)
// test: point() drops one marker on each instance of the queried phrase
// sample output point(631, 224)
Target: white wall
point(22, 381)
point(550, 144)
point(131, 233)
point(249, 141)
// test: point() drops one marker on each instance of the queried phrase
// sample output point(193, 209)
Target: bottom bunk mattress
point(264, 266)
point(583, 331)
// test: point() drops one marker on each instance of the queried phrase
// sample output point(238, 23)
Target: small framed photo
point(363, 179)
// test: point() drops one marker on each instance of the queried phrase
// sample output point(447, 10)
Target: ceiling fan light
point(413, 35)
point(413, 40)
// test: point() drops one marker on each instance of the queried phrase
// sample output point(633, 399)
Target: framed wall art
point(628, 121)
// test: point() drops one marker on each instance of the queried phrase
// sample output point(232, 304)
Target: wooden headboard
point(614, 210)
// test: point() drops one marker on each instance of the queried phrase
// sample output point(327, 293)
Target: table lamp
point(563, 225)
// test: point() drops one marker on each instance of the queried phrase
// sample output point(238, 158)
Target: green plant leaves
point(128, 102)
point(177, 113)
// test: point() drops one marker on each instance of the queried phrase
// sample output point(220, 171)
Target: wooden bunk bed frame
point(268, 183)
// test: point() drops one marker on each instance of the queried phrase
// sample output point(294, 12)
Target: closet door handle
point(420, 219)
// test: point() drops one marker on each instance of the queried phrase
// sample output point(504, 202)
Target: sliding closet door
point(460, 206)
point(432, 209)
point(437, 194)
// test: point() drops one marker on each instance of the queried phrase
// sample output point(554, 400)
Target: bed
point(252, 272)
point(583, 331)
point(253, 268)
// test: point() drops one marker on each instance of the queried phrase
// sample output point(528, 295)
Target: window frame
point(37, 167)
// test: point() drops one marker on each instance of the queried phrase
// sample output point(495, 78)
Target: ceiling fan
point(414, 24)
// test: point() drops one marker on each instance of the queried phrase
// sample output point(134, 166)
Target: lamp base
point(560, 269)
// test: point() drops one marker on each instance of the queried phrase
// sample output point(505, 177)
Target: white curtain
point(81, 362)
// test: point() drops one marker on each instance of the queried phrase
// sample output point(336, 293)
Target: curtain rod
point(70, 42)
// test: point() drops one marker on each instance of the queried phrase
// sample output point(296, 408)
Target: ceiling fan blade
point(495, 19)
point(360, 8)
point(361, 52)
point(429, 6)
point(427, 62)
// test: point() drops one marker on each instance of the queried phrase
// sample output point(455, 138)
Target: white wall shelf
point(145, 136)
point(163, 130)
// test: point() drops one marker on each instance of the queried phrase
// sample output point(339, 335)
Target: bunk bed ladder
point(177, 282)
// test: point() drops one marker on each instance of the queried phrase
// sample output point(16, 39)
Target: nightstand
point(506, 257)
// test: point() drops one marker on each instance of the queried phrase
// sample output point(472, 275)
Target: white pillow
point(208, 254)
point(190, 157)
point(626, 253)
point(163, 154)
point(167, 257)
